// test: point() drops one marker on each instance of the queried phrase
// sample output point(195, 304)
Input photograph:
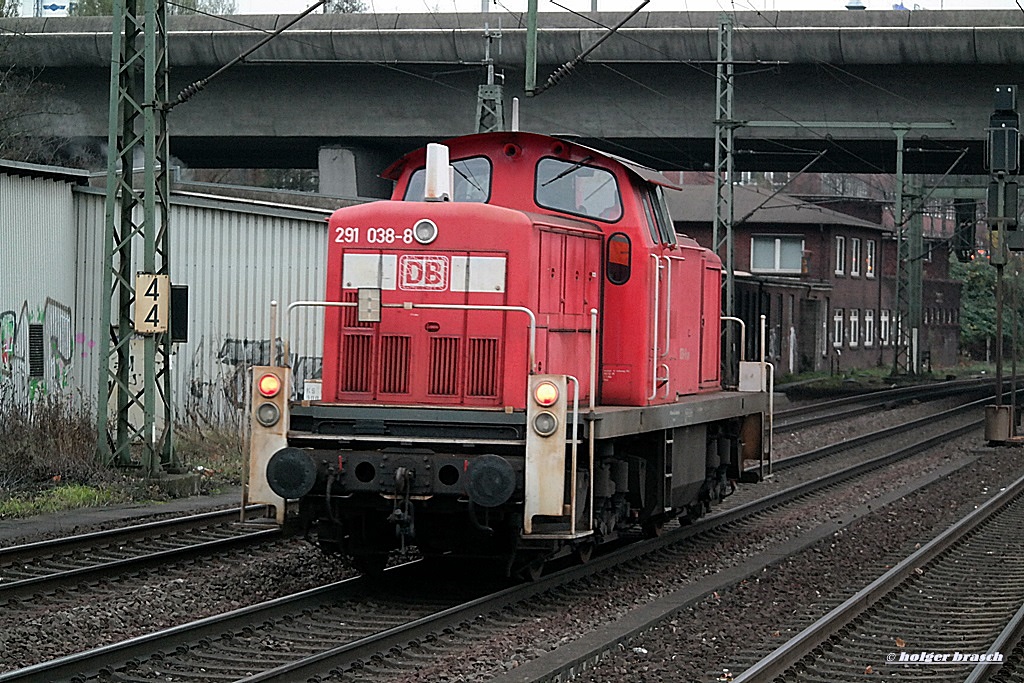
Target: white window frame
point(840, 255)
point(838, 327)
point(870, 261)
point(884, 327)
point(869, 327)
point(778, 269)
point(854, 328)
point(855, 257)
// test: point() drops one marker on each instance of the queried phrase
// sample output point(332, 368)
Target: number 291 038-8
point(350, 235)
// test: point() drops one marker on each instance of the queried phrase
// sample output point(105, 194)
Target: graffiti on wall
point(225, 397)
point(38, 347)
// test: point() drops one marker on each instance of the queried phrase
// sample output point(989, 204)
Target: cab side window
point(652, 223)
point(666, 230)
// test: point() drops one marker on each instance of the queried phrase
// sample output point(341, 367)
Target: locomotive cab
point(520, 357)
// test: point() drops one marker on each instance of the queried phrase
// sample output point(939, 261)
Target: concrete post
point(352, 172)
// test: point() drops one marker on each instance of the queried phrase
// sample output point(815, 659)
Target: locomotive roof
point(494, 141)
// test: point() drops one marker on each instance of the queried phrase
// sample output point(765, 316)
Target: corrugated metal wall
point(37, 284)
point(235, 262)
point(235, 257)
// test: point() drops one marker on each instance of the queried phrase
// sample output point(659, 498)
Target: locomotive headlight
point(545, 394)
point(425, 231)
point(268, 414)
point(269, 385)
point(544, 423)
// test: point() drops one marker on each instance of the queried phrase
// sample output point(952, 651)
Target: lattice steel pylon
point(725, 129)
point(127, 408)
point(908, 279)
point(490, 105)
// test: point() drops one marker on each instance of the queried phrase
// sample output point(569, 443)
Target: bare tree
point(25, 103)
point(345, 7)
point(105, 8)
point(9, 8)
point(202, 6)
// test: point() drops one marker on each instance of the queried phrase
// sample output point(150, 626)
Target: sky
point(500, 7)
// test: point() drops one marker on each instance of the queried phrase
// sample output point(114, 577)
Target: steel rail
point(35, 584)
point(54, 568)
point(826, 411)
point(106, 658)
point(89, 540)
point(1004, 642)
point(804, 642)
point(864, 439)
point(401, 637)
point(89, 663)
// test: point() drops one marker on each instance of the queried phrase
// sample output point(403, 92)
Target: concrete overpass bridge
point(364, 88)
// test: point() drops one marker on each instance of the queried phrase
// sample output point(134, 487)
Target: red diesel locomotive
point(521, 358)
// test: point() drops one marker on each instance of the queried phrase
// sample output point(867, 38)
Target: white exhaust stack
point(439, 174)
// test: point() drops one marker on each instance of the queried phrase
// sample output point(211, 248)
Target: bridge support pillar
point(352, 172)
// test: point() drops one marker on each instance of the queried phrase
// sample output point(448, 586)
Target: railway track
point(820, 412)
point(330, 629)
point(43, 566)
point(948, 612)
point(904, 432)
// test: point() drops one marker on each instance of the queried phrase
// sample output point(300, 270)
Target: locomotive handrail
point(593, 403)
point(408, 305)
point(654, 337)
point(668, 303)
point(743, 333)
point(575, 440)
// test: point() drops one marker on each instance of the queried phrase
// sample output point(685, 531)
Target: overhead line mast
point(136, 299)
point(137, 317)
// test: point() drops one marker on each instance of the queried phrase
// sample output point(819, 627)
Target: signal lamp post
point(1003, 159)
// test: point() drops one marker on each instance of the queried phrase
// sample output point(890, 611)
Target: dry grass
point(49, 439)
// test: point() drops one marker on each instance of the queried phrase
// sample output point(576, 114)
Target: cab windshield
point(574, 187)
point(472, 181)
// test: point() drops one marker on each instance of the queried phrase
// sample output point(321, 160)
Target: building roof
point(23, 169)
point(696, 204)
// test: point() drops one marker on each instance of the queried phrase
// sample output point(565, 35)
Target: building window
point(883, 327)
point(869, 327)
point(854, 327)
point(776, 254)
point(840, 255)
point(855, 257)
point(837, 328)
point(869, 262)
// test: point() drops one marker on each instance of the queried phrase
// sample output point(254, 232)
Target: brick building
point(824, 278)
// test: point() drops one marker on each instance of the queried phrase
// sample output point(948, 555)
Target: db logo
point(423, 272)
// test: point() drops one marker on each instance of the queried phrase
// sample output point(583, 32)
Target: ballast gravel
point(696, 645)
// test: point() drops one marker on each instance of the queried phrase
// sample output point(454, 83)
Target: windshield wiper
point(467, 179)
point(567, 171)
